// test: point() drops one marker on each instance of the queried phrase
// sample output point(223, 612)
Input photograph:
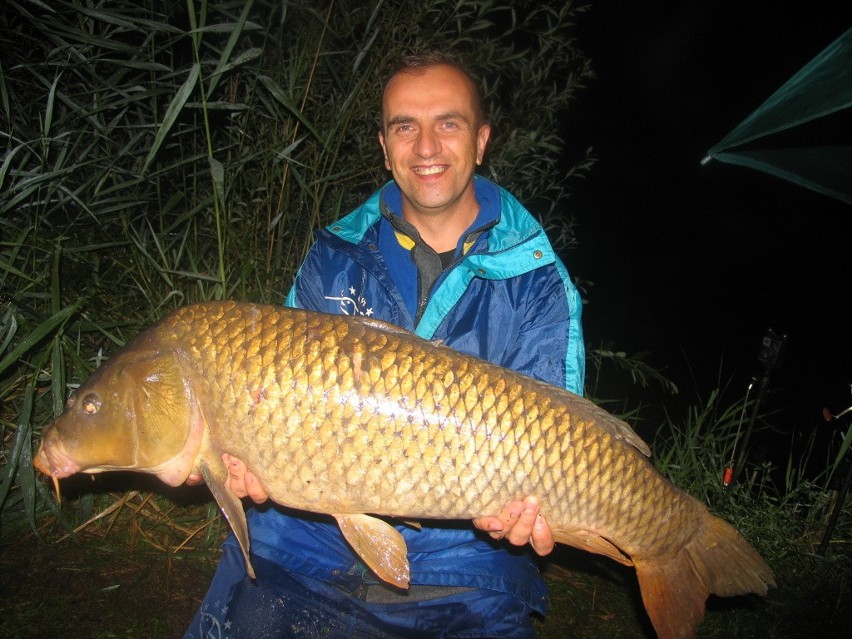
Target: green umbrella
point(821, 89)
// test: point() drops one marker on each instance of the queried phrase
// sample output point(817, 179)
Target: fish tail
point(717, 560)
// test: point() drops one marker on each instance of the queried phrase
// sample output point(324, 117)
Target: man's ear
point(482, 137)
point(384, 149)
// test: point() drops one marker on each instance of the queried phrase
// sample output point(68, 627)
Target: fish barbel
point(355, 417)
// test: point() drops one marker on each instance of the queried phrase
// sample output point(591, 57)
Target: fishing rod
point(844, 487)
point(770, 354)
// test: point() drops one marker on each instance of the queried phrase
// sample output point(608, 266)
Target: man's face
point(432, 141)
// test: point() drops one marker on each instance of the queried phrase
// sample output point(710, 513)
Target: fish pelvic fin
point(379, 544)
point(214, 475)
point(717, 560)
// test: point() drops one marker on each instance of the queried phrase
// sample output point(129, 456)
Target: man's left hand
point(520, 522)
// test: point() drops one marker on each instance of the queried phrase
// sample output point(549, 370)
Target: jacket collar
point(515, 227)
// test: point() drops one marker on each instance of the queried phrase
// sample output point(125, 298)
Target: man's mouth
point(430, 170)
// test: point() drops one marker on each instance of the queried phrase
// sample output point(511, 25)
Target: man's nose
point(427, 143)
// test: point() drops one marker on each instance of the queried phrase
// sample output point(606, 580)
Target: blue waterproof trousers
point(279, 605)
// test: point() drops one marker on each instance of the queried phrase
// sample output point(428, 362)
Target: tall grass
point(156, 154)
point(781, 507)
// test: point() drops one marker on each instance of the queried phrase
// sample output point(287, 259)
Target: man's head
point(419, 62)
point(433, 134)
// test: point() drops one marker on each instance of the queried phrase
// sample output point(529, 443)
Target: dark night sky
point(694, 263)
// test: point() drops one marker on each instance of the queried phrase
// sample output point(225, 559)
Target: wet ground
point(88, 590)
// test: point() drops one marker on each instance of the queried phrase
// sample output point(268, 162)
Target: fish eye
point(91, 404)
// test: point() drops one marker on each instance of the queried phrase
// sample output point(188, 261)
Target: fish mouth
point(54, 463)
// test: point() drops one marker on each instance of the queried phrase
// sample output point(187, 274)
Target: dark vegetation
point(156, 154)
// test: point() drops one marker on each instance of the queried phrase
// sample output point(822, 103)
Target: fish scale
point(352, 416)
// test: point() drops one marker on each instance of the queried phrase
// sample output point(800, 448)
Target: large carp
point(349, 416)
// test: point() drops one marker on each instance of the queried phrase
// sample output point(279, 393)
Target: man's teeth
point(429, 170)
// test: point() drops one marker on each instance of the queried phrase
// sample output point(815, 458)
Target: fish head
point(136, 412)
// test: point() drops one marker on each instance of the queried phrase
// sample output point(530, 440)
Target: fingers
point(519, 523)
point(241, 481)
point(492, 525)
point(532, 527)
point(254, 489)
point(521, 531)
point(541, 538)
point(235, 481)
point(194, 479)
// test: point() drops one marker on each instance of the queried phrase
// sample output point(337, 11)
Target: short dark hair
point(418, 62)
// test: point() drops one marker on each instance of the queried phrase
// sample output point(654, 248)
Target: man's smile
point(430, 170)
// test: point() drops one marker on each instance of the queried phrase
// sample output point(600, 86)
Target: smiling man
point(452, 257)
point(433, 137)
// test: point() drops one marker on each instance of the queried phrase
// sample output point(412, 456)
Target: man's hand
point(519, 523)
point(241, 481)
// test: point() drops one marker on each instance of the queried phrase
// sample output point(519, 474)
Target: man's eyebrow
point(441, 117)
point(400, 119)
point(452, 115)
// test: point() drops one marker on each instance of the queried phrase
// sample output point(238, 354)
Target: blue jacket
point(507, 299)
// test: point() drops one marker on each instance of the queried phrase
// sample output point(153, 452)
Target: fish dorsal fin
point(619, 429)
point(380, 325)
point(215, 475)
point(624, 432)
point(380, 546)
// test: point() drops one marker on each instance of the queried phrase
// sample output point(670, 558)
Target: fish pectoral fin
point(214, 475)
point(379, 544)
point(591, 542)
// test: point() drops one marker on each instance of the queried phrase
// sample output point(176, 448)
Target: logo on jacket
point(352, 304)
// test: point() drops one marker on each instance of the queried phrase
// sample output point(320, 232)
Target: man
point(453, 257)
